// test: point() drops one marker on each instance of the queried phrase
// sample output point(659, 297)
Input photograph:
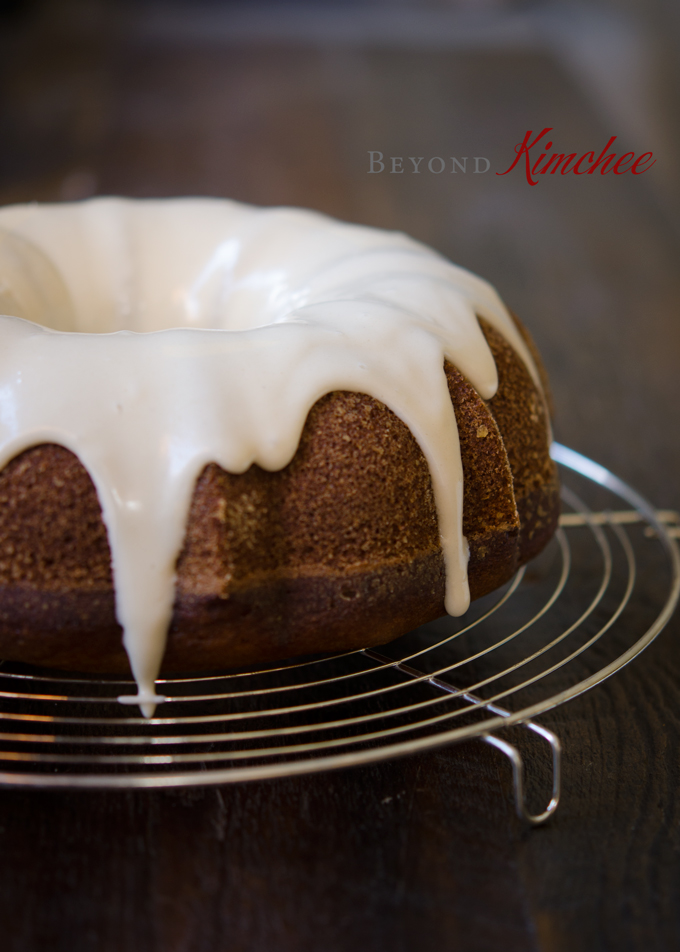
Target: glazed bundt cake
point(232, 435)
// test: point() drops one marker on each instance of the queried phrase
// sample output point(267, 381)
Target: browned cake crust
point(339, 550)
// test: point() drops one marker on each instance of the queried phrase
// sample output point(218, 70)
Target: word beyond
point(553, 162)
point(436, 164)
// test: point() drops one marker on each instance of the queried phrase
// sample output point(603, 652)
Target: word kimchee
point(579, 165)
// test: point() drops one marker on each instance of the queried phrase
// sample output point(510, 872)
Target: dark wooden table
point(423, 853)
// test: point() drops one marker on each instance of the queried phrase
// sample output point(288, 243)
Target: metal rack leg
point(515, 758)
point(510, 752)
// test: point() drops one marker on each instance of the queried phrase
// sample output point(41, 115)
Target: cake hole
point(102, 266)
point(31, 287)
point(347, 592)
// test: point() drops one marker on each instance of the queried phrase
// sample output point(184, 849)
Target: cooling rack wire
point(600, 593)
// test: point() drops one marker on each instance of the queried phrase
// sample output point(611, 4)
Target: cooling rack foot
point(515, 759)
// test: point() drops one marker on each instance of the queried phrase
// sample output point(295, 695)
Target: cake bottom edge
point(271, 621)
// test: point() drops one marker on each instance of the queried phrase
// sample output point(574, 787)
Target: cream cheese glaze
point(154, 337)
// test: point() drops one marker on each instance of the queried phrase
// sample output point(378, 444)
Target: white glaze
point(154, 337)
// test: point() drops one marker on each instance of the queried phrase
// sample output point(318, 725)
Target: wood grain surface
point(424, 853)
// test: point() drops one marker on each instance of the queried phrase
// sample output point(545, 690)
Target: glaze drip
point(154, 337)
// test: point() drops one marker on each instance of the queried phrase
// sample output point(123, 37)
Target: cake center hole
point(31, 286)
point(104, 290)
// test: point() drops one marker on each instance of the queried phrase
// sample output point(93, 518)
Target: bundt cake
point(267, 432)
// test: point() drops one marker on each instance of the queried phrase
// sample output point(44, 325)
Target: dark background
point(280, 104)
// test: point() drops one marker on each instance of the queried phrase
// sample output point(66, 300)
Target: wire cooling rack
point(598, 595)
